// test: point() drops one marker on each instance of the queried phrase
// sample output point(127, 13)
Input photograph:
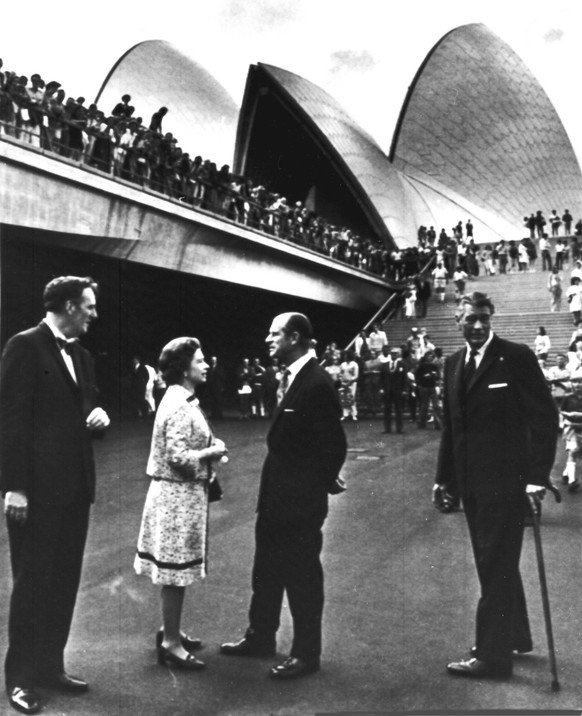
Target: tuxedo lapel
point(55, 351)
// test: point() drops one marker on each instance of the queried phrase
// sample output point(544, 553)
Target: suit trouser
point(394, 399)
point(47, 556)
point(496, 529)
point(287, 559)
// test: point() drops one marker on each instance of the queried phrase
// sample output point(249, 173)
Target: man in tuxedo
point(48, 414)
point(498, 446)
point(306, 449)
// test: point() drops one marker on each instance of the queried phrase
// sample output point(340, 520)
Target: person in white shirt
point(542, 344)
point(574, 298)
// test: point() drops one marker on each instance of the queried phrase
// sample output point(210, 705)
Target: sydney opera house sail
point(478, 124)
point(294, 136)
point(202, 115)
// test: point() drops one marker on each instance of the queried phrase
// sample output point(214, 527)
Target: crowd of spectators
point(124, 145)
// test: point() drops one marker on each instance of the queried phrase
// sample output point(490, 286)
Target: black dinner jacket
point(500, 433)
point(306, 450)
point(45, 447)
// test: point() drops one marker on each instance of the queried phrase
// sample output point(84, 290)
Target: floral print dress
point(172, 542)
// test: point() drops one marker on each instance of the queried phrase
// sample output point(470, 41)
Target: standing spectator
point(333, 370)
point(544, 246)
point(558, 378)
point(48, 415)
point(377, 338)
point(173, 537)
point(257, 386)
point(459, 280)
point(513, 252)
point(532, 255)
point(540, 222)
point(567, 218)
point(393, 382)
point(523, 257)
point(244, 376)
point(571, 413)
point(270, 386)
point(360, 343)
point(215, 388)
point(157, 119)
point(469, 229)
point(498, 445)
point(559, 249)
point(555, 289)
point(502, 254)
point(370, 393)
point(427, 378)
point(348, 376)
point(301, 468)
point(423, 292)
point(138, 381)
point(530, 223)
point(555, 222)
point(542, 344)
point(439, 275)
point(574, 298)
point(410, 302)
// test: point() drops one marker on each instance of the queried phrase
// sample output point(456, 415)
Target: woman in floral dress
point(172, 543)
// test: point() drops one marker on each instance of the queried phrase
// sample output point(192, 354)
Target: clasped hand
point(16, 506)
point(217, 450)
point(97, 419)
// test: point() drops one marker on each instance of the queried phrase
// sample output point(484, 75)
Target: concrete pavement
point(401, 592)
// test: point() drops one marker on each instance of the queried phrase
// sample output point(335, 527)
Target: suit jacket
point(307, 447)
point(393, 380)
point(45, 447)
point(501, 434)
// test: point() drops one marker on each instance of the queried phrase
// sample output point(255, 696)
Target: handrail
point(136, 166)
point(385, 305)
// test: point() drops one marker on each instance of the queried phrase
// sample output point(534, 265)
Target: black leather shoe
point(187, 642)
point(476, 669)
point(522, 649)
point(65, 682)
point(248, 646)
point(165, 656)
point(23, 700)
point(293, 668)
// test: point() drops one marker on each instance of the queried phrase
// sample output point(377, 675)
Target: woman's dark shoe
point(188, 643)
point(165, 656)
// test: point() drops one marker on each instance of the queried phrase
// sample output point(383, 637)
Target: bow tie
point(64, 344)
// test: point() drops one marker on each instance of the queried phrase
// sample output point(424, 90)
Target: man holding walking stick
point(498, 446)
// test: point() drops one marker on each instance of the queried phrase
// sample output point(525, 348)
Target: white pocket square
point(497, 385)
point(288, 410)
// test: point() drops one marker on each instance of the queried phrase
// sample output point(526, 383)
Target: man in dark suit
point(48, 414)
point(306, 449)
point(498, 446)
point(393, 384)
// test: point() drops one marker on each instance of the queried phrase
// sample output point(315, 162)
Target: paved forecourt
point(401, 591)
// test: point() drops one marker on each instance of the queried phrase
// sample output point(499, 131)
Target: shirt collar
point(54, 330)
point(296, 366)
point(481, 352)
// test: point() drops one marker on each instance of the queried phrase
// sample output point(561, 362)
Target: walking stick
point(535, 504)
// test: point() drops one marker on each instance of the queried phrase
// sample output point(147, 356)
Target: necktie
point(470, 367)
point(64, 345)
point(283, 385)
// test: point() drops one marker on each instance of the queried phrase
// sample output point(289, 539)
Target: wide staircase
point(522, 305)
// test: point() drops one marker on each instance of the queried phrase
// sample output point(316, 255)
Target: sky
point(364, 53)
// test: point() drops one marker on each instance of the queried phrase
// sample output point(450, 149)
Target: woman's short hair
point(176, 357)
point(66, 288)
